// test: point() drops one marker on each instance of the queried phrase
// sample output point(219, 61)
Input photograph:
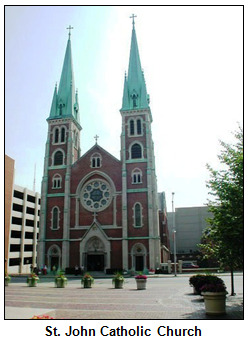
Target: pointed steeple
point(134, 94)
point(66, 83)
point(54, 103)
point(65, 101)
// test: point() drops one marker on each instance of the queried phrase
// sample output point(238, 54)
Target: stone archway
point(54, 257)
point(94, 255)
point(95, 249)
point(139, 254)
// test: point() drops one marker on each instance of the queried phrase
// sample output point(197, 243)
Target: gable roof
point(96, 148)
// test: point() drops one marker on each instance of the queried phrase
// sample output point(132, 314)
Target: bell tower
point(141, 240)
point(62, 150)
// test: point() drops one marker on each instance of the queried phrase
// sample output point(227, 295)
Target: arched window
point(55, 218)
point(57, 181)
point(131, 127)
point(56, 135)
point(136, 151)
point(96, 160)
point(59, 135)
point(137, 215)
point(62, 137)
point(58, 158)
point(136, 176)
point(138, 127)
point(135, 126)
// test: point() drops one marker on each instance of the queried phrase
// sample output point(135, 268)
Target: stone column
point(124, 199)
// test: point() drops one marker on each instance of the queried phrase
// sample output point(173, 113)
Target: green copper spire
point(134, 94)
point(65, 100)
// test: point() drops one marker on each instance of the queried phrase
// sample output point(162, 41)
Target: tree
point(224, 237)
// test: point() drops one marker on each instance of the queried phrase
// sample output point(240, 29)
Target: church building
point(99, 212)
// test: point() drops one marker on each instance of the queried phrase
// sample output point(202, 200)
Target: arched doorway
point(54, 257)
point(95, 255)
point(139, 253)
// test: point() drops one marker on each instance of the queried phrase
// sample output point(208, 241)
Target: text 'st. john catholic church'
point(97, 211)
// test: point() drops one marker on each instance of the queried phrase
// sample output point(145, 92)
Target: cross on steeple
point(69, 28)
point(132, 17)
point(96, 138)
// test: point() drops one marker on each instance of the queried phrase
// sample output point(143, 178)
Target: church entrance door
point(95, 262)
point(54, 261)
point(139, 263)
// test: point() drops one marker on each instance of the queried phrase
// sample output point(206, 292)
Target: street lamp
point(174, 235)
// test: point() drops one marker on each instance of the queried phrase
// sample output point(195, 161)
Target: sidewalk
point(165, 298)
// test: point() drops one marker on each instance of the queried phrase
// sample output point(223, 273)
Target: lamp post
point(174, 235)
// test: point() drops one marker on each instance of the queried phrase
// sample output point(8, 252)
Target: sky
point(192, 58)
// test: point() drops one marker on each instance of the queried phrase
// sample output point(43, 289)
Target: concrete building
point(97, 211)
point(21, 240)
point(9, 181)
point(189, 224)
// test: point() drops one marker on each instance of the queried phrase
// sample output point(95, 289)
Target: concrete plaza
point(166, 297)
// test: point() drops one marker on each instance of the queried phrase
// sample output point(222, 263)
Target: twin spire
point(134, 94)
point(65, 99)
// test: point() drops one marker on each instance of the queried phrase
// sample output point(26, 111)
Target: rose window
point(96, 195)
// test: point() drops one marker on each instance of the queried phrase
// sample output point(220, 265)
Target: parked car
point(189, 265)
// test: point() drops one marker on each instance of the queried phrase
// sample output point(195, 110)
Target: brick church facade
point(97, 211)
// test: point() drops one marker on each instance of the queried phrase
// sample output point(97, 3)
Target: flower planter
point(87, 284)
point(215, 302)
point(119, 284)
point(32, 282)
point(6, 282)
point(118, 280)
point(141, 284)
point(61, 283)
point(87, 281)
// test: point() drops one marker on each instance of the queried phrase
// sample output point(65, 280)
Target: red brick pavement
point(164, 298)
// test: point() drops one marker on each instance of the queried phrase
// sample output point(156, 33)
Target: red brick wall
point(141, 139)
point(143, 167)
point(53, 147)
point(51, 202)
point(132, 198)
point(74, 254)
point(112, 168)
point(50, 181)
point(116, 254)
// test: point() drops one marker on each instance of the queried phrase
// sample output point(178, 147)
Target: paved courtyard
point(166, 297)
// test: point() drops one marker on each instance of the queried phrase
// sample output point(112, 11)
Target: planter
point(32, 282)
point(141, 284)
point(119, 284)
point(87, 284)
point(61, 283)
point(215, 302)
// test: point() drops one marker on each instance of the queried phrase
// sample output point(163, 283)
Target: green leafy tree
point(224, 237)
